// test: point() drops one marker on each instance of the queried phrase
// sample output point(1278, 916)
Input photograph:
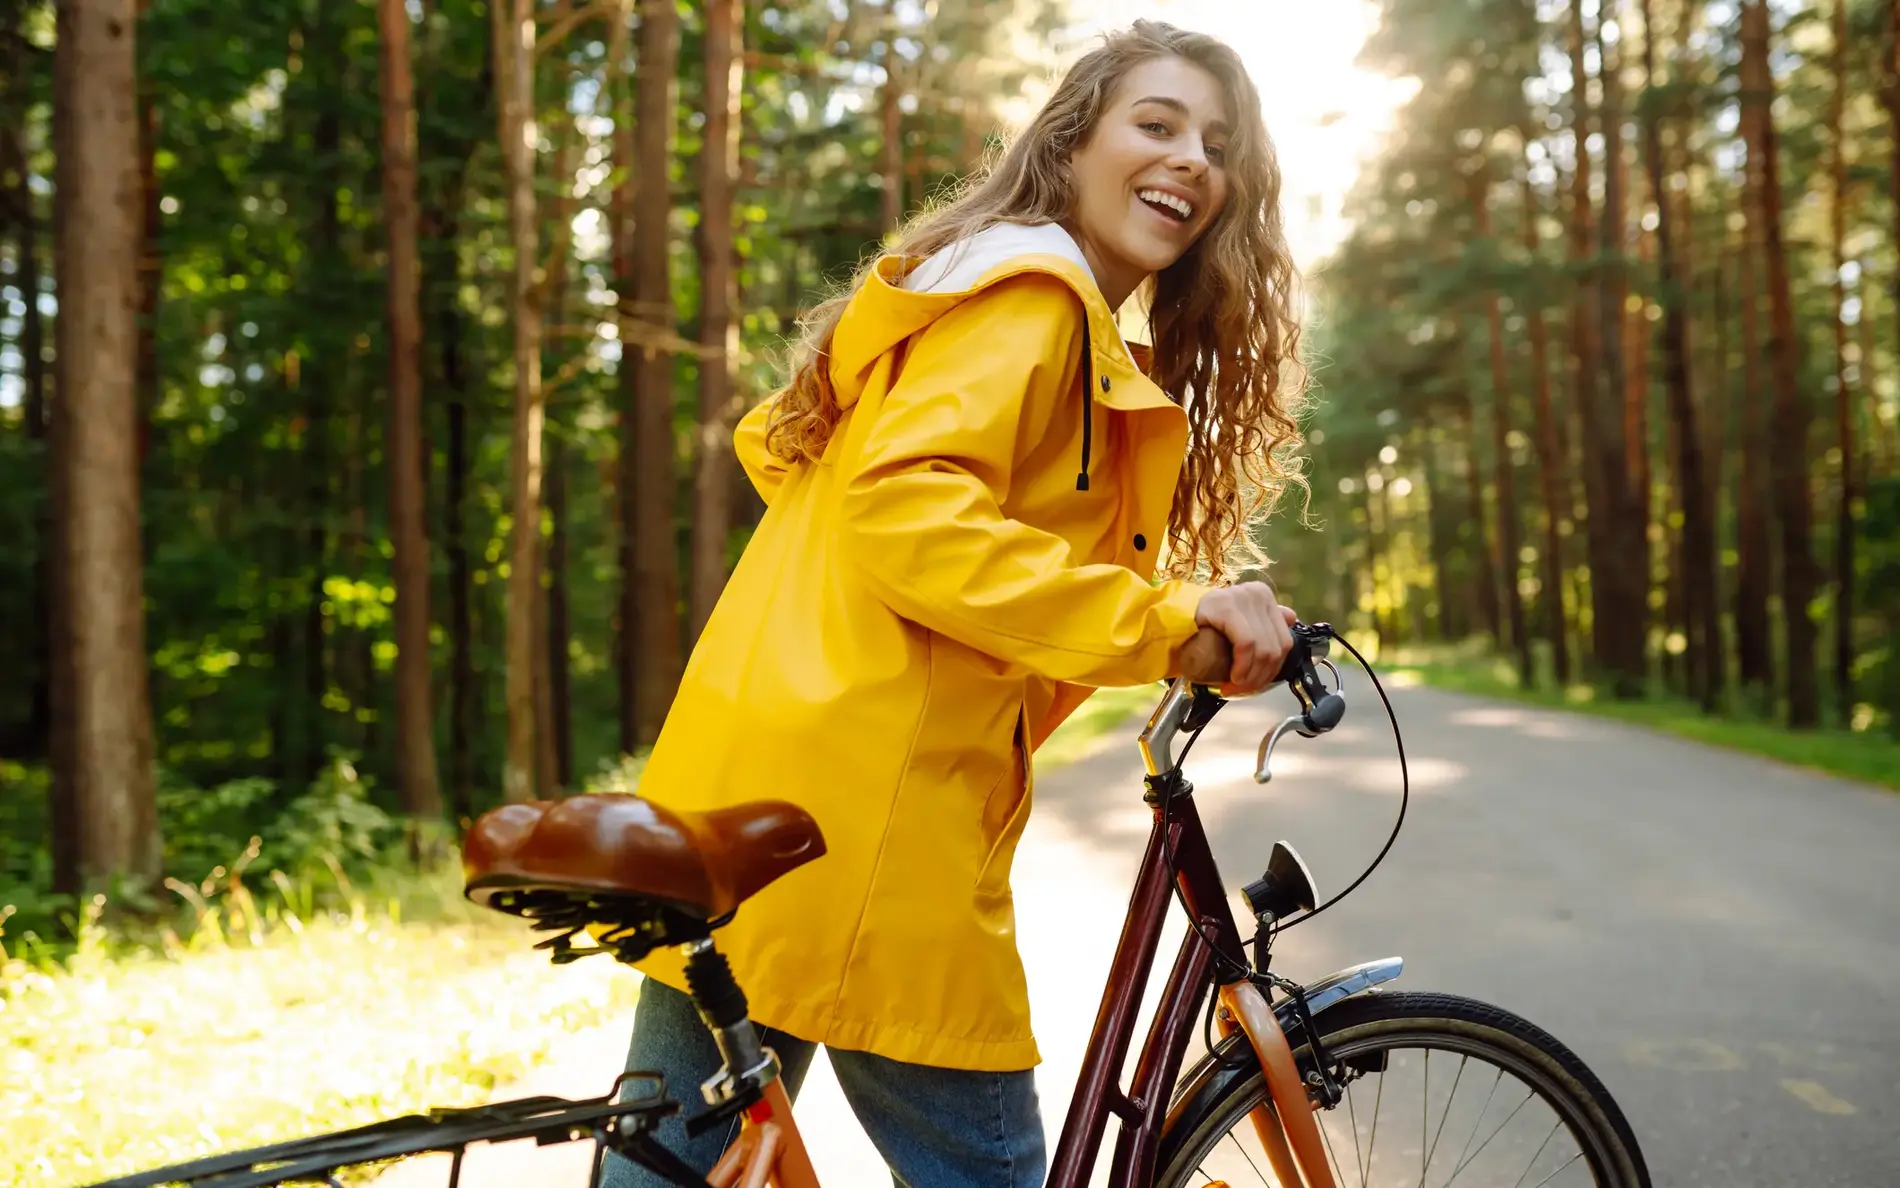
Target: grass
point(269, 1025)
point(1870, 756)
point(1097, 724)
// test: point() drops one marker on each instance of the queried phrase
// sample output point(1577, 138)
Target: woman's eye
point(1155, 126)
point(1217, 153)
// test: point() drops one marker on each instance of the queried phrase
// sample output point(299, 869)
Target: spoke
point(1487, 1139)
point(1339, 1176)
point(1443, 1118)
point(1378, 1096)
point(1425, 1119)
point(1353, 1117)
point(1258, 1174)
point(1459, 1163)
point(1553, 1175)
point(1537, 1152)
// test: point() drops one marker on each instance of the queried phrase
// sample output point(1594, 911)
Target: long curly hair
point(1222, 319)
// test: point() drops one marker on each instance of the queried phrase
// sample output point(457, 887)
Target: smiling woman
point(972, 482)
point(1326, 111)
point(1151, 178)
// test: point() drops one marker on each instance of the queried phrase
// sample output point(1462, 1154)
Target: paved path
point(1719, 937)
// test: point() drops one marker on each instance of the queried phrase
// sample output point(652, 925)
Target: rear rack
point(625, 1127)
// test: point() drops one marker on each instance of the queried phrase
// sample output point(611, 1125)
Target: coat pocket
point(1006, 812)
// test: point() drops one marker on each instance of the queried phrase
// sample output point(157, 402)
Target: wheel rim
point(1447, 1111)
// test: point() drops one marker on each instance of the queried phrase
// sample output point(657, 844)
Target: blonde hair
point(1222, 318)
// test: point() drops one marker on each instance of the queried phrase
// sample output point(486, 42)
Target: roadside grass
point(1871, 756)
point(267, 1023)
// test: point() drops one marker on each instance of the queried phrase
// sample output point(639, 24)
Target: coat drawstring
point(1088, 406)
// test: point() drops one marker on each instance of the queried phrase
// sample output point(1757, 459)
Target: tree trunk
point(890, 121)
point(32, 344)
point(1487, 578)
point(1754, 537)
point(441, 222)
point(1378, 570)
point(461, 631)
point(1890, 92)
point(1549, 465)
point(1843, 397)
point(1789, 462)
point(317, 375)
point(555, 752)
point(1698, 580)
point(1622, 587)
point(1549, 462)
point(1599, 553)
point(560, 630)
point(1649, 515)
point(718, 304)
point(514, 72)
point(94, 441)
point(1439, 529)
point(39, 725)
point(1484, 557)
point(415, 720)
point(626, 482)
point(657, 661)
point(1508, 542)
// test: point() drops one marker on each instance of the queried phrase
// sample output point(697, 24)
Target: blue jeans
point(935, 1127)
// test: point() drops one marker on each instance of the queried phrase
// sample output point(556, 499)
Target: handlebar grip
point(1207, 658)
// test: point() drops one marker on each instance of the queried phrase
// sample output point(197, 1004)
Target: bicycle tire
point(1382, 1022)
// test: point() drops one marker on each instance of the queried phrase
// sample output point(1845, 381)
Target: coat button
point(1104, 383)
point(1141, 542)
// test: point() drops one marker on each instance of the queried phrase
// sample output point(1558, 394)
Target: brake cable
point(1405, 797)
point(1165, 796)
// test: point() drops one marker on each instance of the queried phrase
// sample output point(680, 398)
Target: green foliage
point(1409, 400)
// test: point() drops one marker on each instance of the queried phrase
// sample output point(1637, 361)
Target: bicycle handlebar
point(1208, 657)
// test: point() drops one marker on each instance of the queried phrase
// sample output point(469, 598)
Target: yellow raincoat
point(911, 609)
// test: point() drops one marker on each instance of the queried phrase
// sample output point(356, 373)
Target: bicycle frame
point(1177, 841)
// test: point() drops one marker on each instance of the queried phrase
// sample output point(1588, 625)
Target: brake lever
point(1321, 708)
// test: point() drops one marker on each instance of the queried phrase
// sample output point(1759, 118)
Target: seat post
point(722, 1007)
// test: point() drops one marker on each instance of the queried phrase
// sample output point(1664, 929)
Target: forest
point(368, 369)
point(1609, 356)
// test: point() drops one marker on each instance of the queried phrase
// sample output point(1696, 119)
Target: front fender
point(1205, 1083)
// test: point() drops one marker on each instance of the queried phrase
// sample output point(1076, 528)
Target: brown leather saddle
point(654, 875)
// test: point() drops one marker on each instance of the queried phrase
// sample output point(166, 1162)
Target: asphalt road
point(1718, 937)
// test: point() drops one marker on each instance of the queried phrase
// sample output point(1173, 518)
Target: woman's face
point(1152, 176)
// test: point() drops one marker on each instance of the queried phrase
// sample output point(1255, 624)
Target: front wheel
point(1480, 1098)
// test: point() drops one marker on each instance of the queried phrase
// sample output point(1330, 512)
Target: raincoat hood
point(900, 298)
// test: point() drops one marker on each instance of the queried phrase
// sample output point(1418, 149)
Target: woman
point(968, 482)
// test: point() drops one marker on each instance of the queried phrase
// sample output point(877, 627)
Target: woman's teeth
point(1179, 208)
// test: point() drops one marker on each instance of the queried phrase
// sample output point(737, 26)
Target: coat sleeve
point(922, 510)
point(762, 466)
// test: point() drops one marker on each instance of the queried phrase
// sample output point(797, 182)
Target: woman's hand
point(1257, 626)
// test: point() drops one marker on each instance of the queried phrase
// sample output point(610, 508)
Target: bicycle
point(634, 876)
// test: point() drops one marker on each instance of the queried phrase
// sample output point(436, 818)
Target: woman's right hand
point(1257, 626)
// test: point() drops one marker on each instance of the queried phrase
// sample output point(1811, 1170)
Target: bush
point(224, 841)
